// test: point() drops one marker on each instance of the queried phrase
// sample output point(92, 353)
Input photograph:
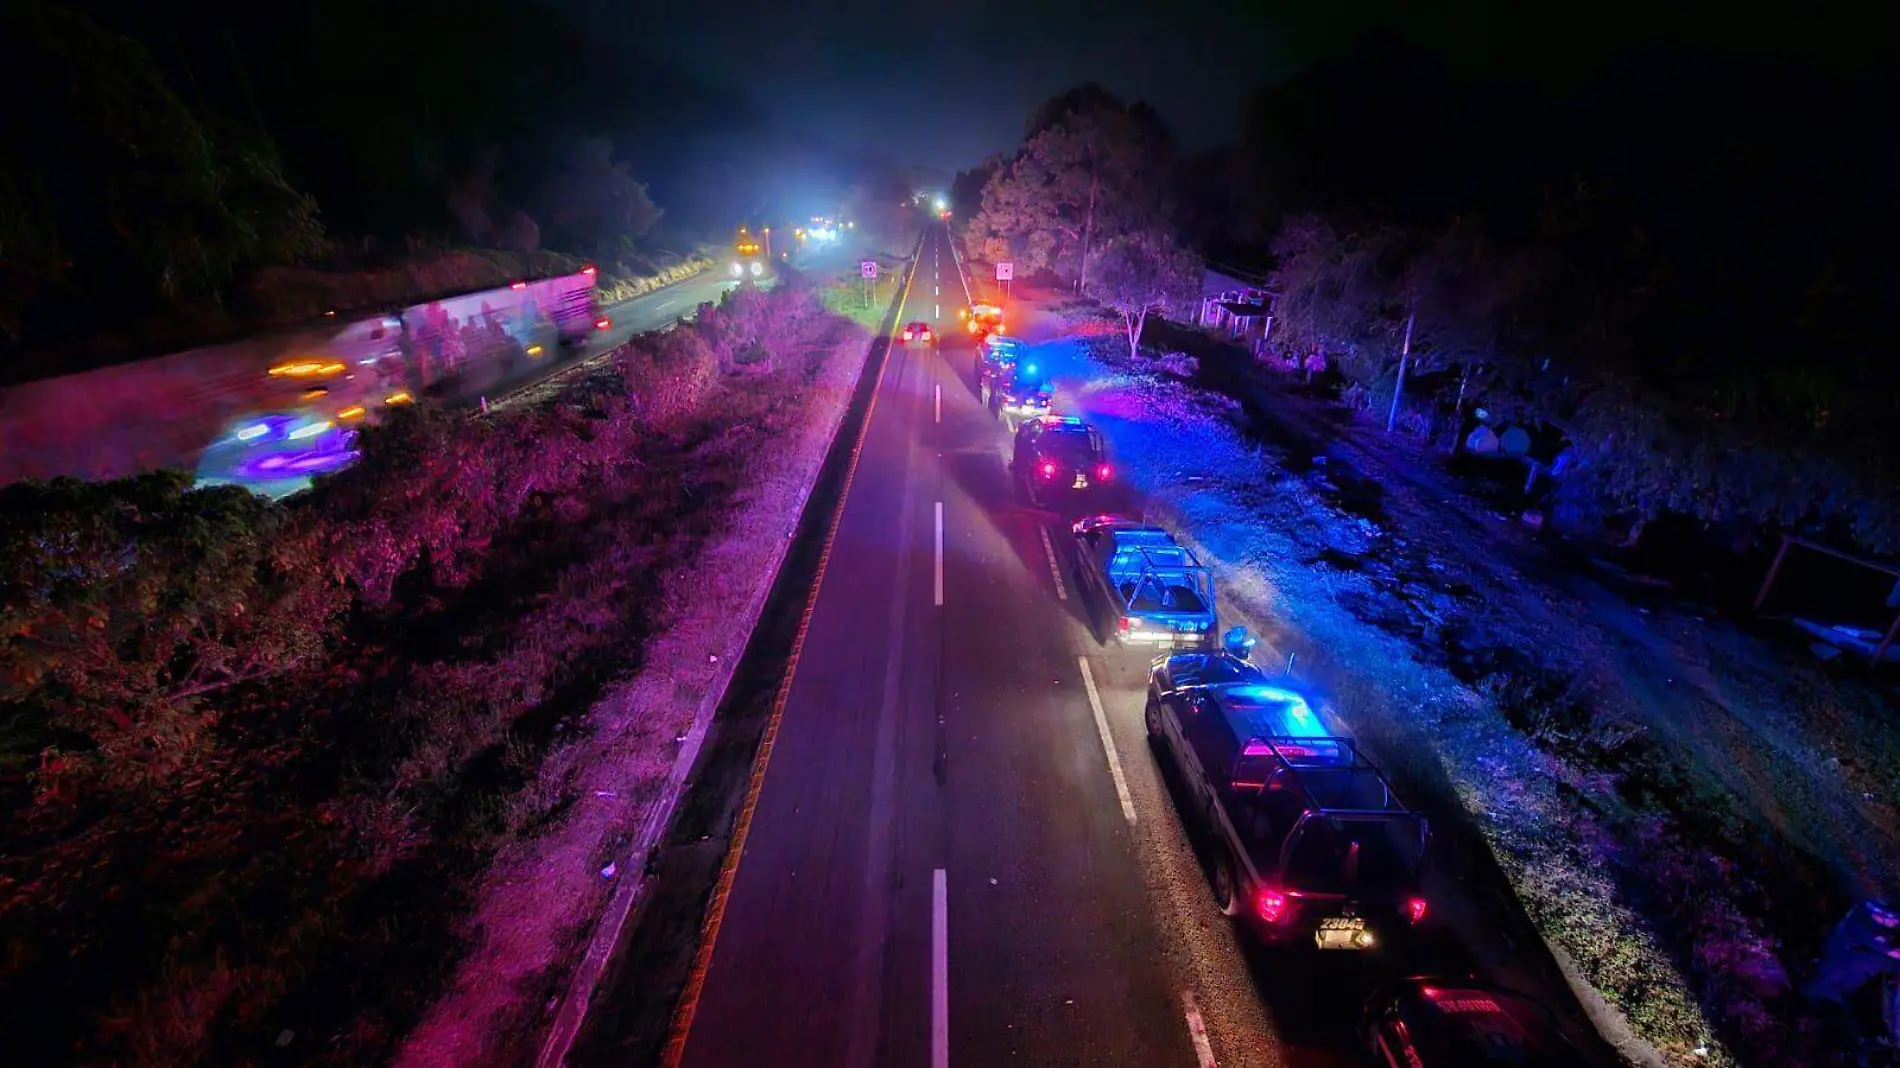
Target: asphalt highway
point(962, 851)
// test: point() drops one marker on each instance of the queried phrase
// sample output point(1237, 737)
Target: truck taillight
point(1048, 469)
point(1102, 471)
point(603, 323)
point(590, 270)
point(518, 286)
point(906, 335)
point(1121, 625)
point(1415, 909)
point(1271, 905)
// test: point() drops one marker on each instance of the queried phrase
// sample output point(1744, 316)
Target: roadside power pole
point(1405, 353)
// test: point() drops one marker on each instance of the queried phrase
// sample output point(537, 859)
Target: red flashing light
point(1415, 909)
point(1048, 469)
point(519, 285)
point(1102, 471)
point(1271, 905)
point(603, 323)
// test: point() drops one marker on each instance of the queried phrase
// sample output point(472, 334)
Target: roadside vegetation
point(256, 758)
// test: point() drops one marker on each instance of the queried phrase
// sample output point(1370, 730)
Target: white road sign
point(868, 268)
point(1005, 271)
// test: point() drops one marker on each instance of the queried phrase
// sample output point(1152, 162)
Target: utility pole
point(1405, 352)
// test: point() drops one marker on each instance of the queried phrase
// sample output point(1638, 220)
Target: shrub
point(125, 605)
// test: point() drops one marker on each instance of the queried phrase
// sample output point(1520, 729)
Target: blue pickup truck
point(1154, 591)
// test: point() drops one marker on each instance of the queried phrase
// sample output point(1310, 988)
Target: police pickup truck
point(1154, 591)
point(1310, 846)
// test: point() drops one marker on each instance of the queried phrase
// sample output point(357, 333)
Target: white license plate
point(1081, 482)
point(1339, 932)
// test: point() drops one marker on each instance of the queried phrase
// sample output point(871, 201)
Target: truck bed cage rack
point(1153, 567)
point(1290, 749)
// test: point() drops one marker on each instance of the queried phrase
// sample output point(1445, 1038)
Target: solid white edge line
point(1197, 1030)
point(939, 970)
point(1108, 743)
point(1055, 572)
point(939, 567)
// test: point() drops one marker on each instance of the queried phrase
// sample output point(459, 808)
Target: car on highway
point(984, 320)
point(1153, 590)
point(1309, 845)
point(992, 352)
point(1059, 457)
point(1429, 1022)
point(919, 331)
point(1017, 388)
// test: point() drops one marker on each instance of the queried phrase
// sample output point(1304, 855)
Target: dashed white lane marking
point(1049, 551)
point(940, 971)
point(1197, 1030)
point(939, 569)
point(936, 403)
point(1108, 743)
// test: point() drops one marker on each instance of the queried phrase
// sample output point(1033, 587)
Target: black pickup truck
point(1310, 846)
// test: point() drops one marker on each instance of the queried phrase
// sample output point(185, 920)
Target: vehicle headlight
point(757, 268)
point(738, 270)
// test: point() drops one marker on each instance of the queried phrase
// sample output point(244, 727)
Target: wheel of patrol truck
point(1151, 718)
point(1226, 887)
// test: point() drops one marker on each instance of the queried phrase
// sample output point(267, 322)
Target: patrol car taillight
point(1415, 909)
point(1048, 469)
point(1102, 471)
point(1271, 905)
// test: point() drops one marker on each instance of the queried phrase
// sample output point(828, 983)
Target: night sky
point(944, 85)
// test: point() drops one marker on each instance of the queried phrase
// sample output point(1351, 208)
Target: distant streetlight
point(940, 204)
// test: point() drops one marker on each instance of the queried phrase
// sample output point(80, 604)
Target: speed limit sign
point(1005, 271)
point(868, 268)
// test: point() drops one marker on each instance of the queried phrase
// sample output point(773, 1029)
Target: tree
point(592, 203)
point(966, 189)
point(115, 182)
point(1095, 170)
point(1142, 273)
point(123, 604)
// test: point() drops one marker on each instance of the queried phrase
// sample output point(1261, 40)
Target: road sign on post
point(1005, 271)
point(868, 268)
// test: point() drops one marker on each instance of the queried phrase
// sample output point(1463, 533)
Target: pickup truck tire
point(1151, 718)
point(1226, 887)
